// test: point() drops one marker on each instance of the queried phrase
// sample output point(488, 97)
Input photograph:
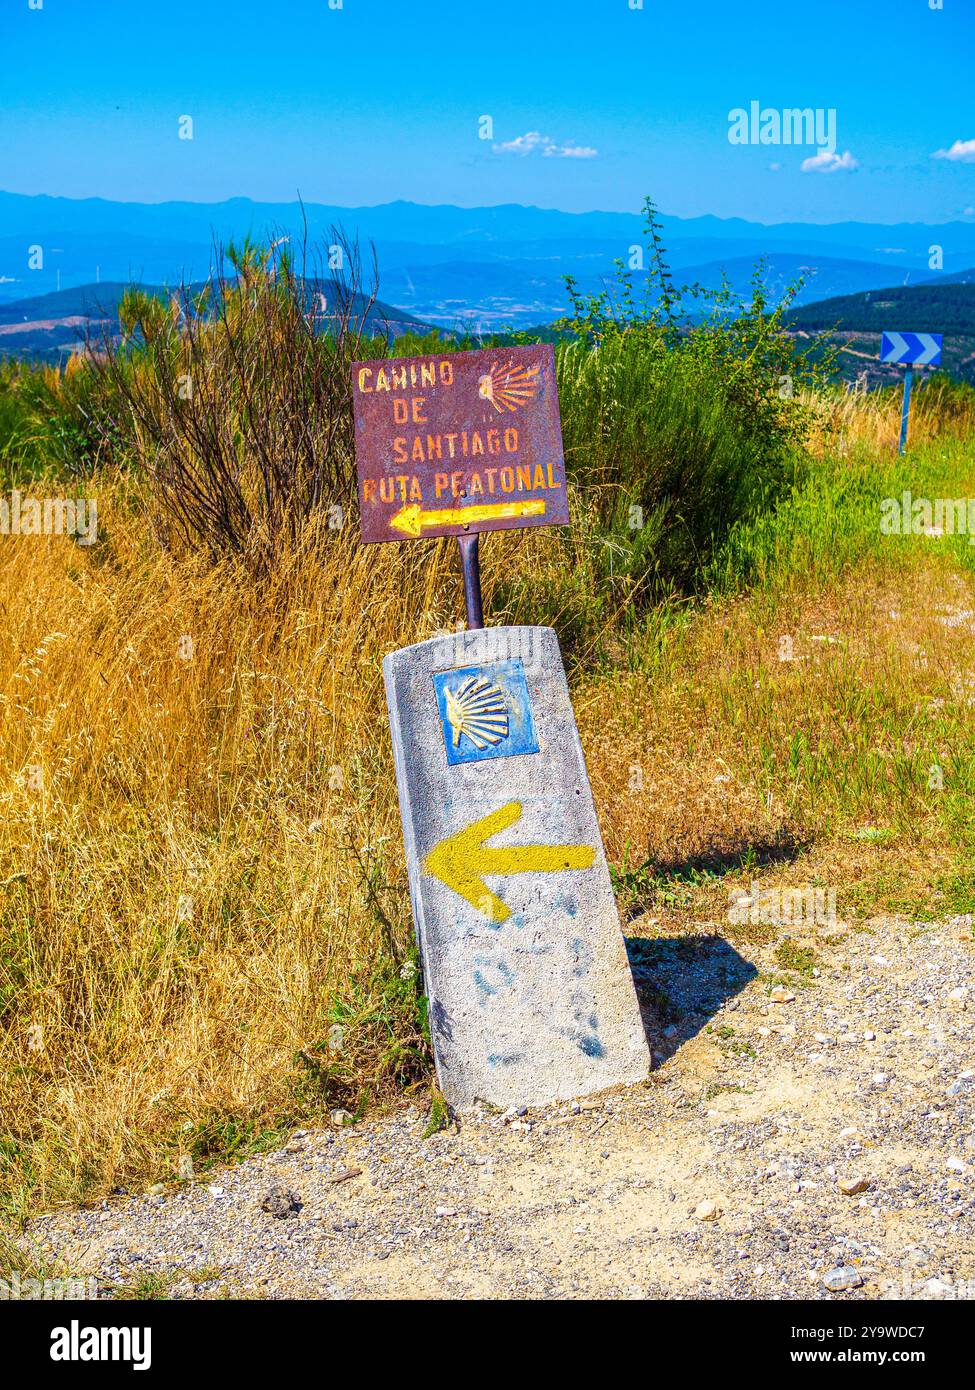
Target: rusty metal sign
point(455, 443)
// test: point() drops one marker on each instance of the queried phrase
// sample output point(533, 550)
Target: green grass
point(147, 1287)
point(439, 1115)
point(830, 520)
point(799, 959)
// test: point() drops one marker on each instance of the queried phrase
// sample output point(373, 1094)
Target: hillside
point(53, 325)
point(856, 321)
point(925, 308)
point(203, 1048)
point(961, 277)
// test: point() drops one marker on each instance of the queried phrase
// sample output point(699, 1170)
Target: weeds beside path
point(206, 936)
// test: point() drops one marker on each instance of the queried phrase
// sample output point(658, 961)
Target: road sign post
point(905, 408)
point(531, 996)
point(911, 350)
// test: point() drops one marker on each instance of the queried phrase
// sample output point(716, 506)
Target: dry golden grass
point(871, 420)
point(201, 866)
point(186, 838)
point(811, 770)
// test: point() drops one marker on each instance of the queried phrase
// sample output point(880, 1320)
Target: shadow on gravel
point(682, 982)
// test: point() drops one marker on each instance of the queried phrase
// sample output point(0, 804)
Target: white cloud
point(523, 144)
point(534, 140)
point(968, 212)
point(828, 162)
point(961, 152)
point(572, 152)
point(775, 167)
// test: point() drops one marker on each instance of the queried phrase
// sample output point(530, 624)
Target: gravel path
point(723, 1177)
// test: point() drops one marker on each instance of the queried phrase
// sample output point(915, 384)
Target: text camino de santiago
point(420, 446)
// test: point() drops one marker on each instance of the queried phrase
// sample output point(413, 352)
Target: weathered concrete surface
point(531, 995)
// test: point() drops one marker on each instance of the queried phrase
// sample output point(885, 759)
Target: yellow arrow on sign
point(462, 860)
point(411, 520)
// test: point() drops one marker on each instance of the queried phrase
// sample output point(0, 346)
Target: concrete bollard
point(531, 996)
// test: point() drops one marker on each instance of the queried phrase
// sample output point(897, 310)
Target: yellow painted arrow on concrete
point(462, 860)
point(411, 520)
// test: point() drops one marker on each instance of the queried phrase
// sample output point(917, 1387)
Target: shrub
point(47, 417)
point(679, 423)
point(235, 402)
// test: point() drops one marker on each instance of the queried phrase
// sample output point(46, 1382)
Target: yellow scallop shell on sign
point(477, 709)
point(508, 386)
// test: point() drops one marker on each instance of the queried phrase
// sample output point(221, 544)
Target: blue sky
point(593, 104)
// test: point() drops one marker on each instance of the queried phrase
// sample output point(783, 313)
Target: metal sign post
point(913, 350)
point(905, 408)
point(470, 563)
point(530, 994)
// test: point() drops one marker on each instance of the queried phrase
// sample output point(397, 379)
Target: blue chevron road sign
point(912, 350)
point(918, 349)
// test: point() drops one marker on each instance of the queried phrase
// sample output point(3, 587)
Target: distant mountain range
point(495, 267)
point(53, 325)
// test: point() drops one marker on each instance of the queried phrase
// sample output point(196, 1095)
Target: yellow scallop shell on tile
point(478, 709)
